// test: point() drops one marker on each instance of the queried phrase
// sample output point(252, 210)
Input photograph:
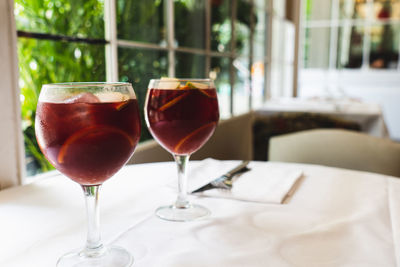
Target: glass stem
point(181, 162)
point(94, 246)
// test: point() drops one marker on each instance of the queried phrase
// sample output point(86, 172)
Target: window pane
point(260, 3)
point(384, 51)
point(141, 21)
point(277, 77)
point(241, 91)
point(260, 32)
point(279, 7)
point(257, 69)
point(277, 40)
point(138, 66)
point(242, 27)
point(287, 80)
point(242, 38)
point(316, 47)
point(221, 29)
point(353, 9)
point(43, 62)
point(317, 10)
point(387, 9)
point(288, 33)
point(190, 23)
point(82, 18)
point(190, 65)
point(350, 47)
point(219, 72)
point(258, 83)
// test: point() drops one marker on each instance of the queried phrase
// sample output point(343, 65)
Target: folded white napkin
point(266, 183)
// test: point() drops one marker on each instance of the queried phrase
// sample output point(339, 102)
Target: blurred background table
point(368, 115)
point(335, 218)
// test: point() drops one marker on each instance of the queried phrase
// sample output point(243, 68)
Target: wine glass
point(88, 131)
point(181, 114)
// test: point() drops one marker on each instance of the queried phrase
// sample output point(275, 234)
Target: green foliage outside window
point(44, 61)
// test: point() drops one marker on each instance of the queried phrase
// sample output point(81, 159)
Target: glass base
point(189, 213)
point(109, 257)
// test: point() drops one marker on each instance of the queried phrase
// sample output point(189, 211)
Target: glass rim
point(174, 80)
point(85, 84)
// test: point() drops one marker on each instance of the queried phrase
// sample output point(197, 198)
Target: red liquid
point(182, 120)
point(88, 142)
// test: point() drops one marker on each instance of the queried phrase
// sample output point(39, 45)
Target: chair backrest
point(232, 140)
point(267, 126)
point(338, 148)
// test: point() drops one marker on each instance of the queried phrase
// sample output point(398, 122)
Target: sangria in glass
point(181, 114)
point(88, 131)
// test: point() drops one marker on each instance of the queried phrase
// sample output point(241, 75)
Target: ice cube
point(83, 98)
point(168, 83)
point(110, 97)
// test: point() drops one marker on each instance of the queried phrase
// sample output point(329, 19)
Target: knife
point(222, 181)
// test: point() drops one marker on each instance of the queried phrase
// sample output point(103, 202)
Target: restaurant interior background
point(255, 50)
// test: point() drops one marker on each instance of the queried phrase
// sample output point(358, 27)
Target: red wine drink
point(88, 142)
point(88, 131)
point(182, 120)
point(181, 114)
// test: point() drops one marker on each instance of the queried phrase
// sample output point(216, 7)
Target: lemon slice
point(194, 85)
point(201, 87)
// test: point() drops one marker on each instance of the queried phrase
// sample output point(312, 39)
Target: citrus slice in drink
point(200, 132)
point(201, 87)
point(194, 85)
point(208, 93)
point(121, 105)
point(173, 101)
point(86, 133)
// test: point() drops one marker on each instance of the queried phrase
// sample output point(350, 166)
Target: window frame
point(12, 154)
point(115, 43)
point(12, 163)
point(333, 25)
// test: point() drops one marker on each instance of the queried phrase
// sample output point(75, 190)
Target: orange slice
point(204, 92)
point(173, 101)
point(121, 105)
point(86, 131)
point(187, 137)
point(185, 87)
point(201, 87)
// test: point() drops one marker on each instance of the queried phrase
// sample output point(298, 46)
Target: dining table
point(333, 217)
point(369, 116)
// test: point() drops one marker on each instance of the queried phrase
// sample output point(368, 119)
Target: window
point(351, 34)
point(282, 51)
point(66, 40)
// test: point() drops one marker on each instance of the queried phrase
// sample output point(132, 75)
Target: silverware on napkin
point(225, 181)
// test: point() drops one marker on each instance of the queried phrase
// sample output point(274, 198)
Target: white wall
point(11, 146)
point(375, 86)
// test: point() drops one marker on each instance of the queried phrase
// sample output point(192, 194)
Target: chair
point(232, 140)
point(338, 148)
point(265, 127)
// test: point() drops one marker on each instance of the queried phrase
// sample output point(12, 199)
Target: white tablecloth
point(368, 115)
point(335, 218)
